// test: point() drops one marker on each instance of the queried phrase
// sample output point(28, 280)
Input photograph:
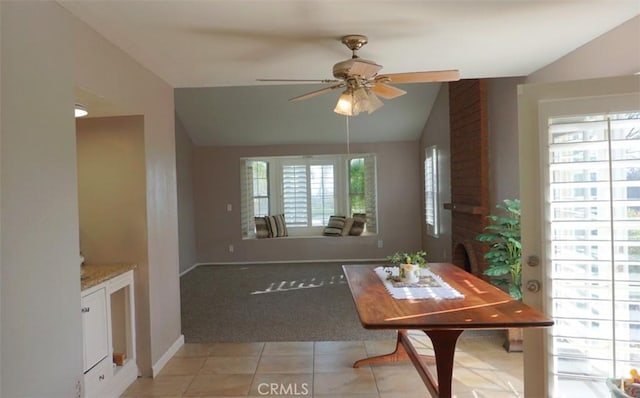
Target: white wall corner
point(164, 359)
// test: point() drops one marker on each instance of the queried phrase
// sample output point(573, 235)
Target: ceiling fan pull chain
point(348, 150)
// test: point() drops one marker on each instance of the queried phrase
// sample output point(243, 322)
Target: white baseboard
point(194, 266)
point(345, 261)
point(164, 359)
point(337, 260)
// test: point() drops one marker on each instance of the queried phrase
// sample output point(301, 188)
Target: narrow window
point(356, 186)
point(260, 188)
point(431, 190)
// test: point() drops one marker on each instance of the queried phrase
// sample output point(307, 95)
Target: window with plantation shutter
point(593, 230)
point(308, 190)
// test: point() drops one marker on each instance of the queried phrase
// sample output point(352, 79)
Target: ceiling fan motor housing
point(341, 70)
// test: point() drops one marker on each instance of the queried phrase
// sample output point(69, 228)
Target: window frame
point(342, 200)
point(268, 195)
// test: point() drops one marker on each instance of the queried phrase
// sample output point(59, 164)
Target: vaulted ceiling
point(212, 52)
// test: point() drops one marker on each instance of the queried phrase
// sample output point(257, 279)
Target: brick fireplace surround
point(469, 172)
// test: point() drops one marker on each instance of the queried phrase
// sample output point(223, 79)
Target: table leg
point(398, 355)
point(444, 347)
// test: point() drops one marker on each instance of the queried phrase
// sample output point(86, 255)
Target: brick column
point(469, 171)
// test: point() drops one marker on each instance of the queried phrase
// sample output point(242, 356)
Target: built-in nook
point(112, 205)
point(464, 256)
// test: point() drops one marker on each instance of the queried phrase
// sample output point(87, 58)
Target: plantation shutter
point(594, 245)
point(370, 193)
point(246, 198)
point(294, 194)
point(431, 190)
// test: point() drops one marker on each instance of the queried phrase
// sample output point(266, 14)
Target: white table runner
point(430, 286)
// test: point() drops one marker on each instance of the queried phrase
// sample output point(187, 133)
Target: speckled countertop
point(94, 274)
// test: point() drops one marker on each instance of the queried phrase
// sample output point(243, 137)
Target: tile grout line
point(255, 371)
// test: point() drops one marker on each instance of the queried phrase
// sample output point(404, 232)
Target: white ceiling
point(220, 43)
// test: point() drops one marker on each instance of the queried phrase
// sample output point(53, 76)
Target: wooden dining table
point(443, 320)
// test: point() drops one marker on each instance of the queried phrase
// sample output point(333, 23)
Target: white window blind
point(295, 192)
point(246, 198)
point(431, 190)
point(594, 244)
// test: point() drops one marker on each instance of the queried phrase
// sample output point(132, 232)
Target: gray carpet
point(270, 302)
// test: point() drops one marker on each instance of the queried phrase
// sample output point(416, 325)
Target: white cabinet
point(95, 327)
point(108, 327)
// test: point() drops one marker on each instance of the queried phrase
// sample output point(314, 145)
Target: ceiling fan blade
point(317, 92)
point(364, 69)
point(420, 77)
point(300, 80)
point(386, 91)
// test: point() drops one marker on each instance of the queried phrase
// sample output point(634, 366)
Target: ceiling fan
point(363, 83)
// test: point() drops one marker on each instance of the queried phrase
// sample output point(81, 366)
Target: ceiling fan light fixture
point(353, 101)
point(345, 104)
point(373, 103)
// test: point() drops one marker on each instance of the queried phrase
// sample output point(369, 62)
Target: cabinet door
point(95, 328)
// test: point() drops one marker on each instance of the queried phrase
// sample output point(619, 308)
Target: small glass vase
point(410, 273)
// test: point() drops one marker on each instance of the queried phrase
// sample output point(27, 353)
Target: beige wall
point(502, 97)
point(186, 217)
point(45, 53)
point(41, 321)
point(217, 183)
point(0, 202)
point(106, 71)
point(437, 132)
point(112, 190)
point(616, 53)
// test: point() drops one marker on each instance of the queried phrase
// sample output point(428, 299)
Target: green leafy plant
point(505, 251)
point(419, 257)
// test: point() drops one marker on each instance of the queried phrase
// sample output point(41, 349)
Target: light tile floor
point(324, 370)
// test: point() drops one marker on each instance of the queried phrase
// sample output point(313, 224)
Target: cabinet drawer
point(97, 377)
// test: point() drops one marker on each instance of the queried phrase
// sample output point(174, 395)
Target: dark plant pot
point(513, 340)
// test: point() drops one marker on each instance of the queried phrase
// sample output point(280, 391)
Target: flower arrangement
point(418, 257)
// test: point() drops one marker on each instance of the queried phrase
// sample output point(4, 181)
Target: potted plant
point(418, 257)
point(409, 263)
point(505, 257)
